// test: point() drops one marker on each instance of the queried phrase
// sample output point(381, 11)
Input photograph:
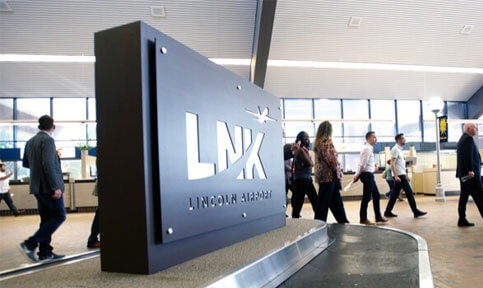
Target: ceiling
point(424, 32)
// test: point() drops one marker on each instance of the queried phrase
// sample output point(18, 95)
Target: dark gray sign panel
point(203, 164)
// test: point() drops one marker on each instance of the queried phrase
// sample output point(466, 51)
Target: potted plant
point(84, 150)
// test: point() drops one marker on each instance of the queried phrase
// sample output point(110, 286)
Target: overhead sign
point(204, 164)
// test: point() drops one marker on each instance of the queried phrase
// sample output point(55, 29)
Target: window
point(298, 108)
point(456, 110)
point(383, 111)
point(329, 109)
point(293, 128)
point(428, 120)
point(69, 109)
point(92, 108)
point(354, 132)
point(32, 108)
point(408, 113)
point(6, 132)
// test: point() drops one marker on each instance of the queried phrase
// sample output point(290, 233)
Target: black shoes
point(52, 256)
point(465, 223)
point(28, 253)
point(389, 214)
point(419, 213)
point(95, 244)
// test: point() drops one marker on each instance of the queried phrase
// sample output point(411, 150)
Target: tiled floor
point(456, 253)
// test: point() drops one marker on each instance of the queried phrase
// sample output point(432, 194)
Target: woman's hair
point(300, 136)
point(324, 132)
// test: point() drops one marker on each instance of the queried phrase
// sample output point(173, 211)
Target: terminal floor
point(456, 254)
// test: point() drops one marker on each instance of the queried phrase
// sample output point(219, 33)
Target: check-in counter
point(77, 194)
point(425, 182)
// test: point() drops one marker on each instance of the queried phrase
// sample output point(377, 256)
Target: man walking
point(47, 185)
point(365, 172)
point(469, 172)
point(5, 188)
point(398, 166)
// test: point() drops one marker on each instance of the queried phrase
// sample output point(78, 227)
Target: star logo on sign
point(261, 116)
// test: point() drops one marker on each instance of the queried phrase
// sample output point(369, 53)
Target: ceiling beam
point(261, 40)
point(475, 104)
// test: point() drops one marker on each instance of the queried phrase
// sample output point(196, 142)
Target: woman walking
point(328, 174)
point(302, 175)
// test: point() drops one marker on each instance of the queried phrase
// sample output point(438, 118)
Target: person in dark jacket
point(468, 170)
point(47, 185)
point(303, 176)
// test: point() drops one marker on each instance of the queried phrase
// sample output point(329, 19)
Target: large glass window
point(329, 109)
point(408, 113)
point(456, 110)
point(92, 108)
point(6, 131)
point(354, 132)
point(428, 120)
point(383, 112)
point(69, 109)
point(30, 109)
point(92, 127)
point(298, 109)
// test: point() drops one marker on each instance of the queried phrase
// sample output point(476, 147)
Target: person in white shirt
point(365, 172)
point(5, 189)
point(398, 165)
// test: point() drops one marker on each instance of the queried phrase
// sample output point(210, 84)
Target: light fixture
point(355, 22)
point(231, 61)
point(46, 58)
point(466, 30)
point(271, 63)
point(435, 104)
point(4, 7)
point(158, 11)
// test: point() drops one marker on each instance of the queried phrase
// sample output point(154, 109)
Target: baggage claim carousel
point(304, 253)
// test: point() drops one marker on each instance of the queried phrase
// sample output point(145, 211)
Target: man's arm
point(6, 176)
point(49, 162)
point(468, 156)
point(25, 160)
point(393, 168)
point(362, 162)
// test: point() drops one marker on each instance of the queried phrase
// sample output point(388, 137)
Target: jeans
point(370, 189)
point(404, 184)
point(330, 198)
point(52, 214)
point(391, 184)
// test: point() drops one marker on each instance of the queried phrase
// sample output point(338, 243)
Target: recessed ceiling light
point(158, 11)
point(46, 58)
point(355, 22)
point(4, 7)
point(466, 30)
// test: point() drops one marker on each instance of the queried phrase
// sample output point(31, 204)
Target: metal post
point(439, 188)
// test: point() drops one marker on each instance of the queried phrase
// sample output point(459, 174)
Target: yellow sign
point(443, 129)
